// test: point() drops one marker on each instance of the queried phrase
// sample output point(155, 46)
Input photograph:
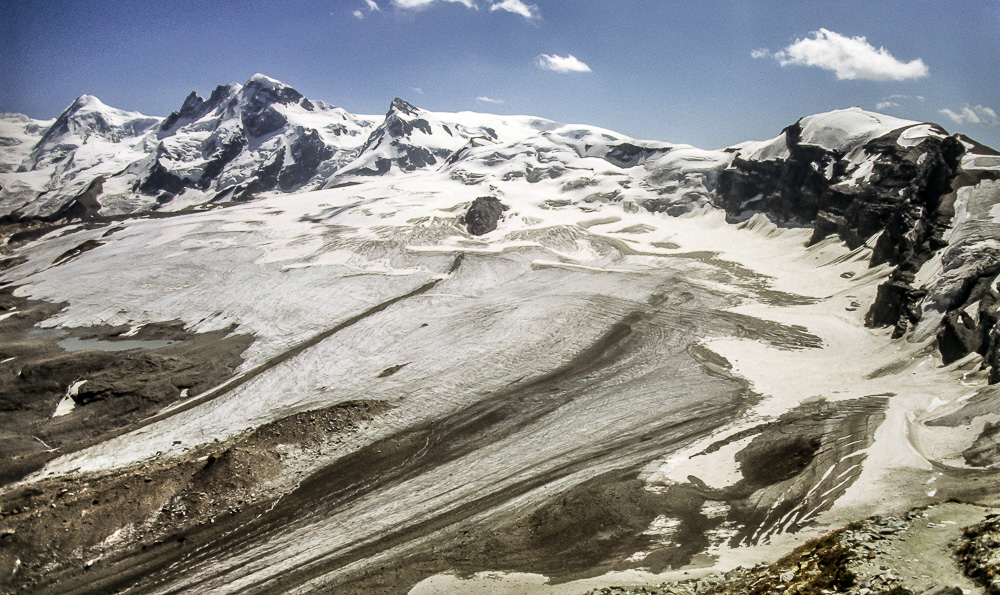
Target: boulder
point(483, 215)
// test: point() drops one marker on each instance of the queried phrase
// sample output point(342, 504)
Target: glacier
point(661, 355)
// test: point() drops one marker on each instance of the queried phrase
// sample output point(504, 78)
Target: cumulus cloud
point(886, 104)
point(413, 4)
point(485, 99)
point(528, 11)
point(978, 114)
point(372, 7)
point(561, 64)
point(850, 58)
point(417, 90)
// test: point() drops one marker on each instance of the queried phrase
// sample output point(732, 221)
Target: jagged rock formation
point(241, 141)
point(901, 181)
point(483, 215)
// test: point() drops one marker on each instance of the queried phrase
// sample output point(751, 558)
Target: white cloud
point(416, 4)
point(850, 58)
point(907, 97)
point(358, 14)
point(978, 114)
point(372, 6)
point(562, 64)
point(485, 99)
point(417, 90)
point(896, 100)
point(528, 11)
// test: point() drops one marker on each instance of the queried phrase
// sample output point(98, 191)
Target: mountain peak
point(86, 103)
point(265, 90)
point(263, 80)
point(399, 105)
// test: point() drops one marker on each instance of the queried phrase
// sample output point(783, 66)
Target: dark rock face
point(909, 198)
point(903, 196)
point(399, 127)
point(398, 105)
point(896, 303)
point(161, 180)
point(266, 178)
point(191, 109)
point(309, 152)
point(791, 190)
point(263, 121)
point(259, 116)
point(413, 158)
point(84, 207)
point(629, 155)
point(221, 159)
point(483, 215)
point(971, 322)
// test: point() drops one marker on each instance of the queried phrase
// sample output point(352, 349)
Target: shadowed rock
point(483, 215)
point(85, 206)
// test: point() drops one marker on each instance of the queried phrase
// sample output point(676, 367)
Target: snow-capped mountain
point(241, 141)
point(848, 172)
point(443, 342)
point(411, 139)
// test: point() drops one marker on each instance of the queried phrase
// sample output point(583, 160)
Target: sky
point(707, 73)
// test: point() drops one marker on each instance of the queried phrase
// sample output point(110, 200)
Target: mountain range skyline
point(709, 76)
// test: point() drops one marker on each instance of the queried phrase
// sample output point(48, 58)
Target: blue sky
point(706, 73)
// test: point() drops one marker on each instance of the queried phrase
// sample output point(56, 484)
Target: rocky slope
point(922, 552)
point(859, 175)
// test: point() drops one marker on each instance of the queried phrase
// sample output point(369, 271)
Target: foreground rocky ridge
point(932, 550)
point(54, 530)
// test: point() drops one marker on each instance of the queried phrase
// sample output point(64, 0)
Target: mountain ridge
point(851, 172)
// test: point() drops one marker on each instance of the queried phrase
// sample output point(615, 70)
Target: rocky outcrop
point(483, 215)
point(903, 197)
point(259, 96)
point(160, 179)
point(308, 152)
point(194, 108)
point(979, 553)
point(85, 207)
point(266, 178)
point(221, 158)
point(907, 198)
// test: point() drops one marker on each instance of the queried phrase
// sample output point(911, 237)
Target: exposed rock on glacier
point(483, 215)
